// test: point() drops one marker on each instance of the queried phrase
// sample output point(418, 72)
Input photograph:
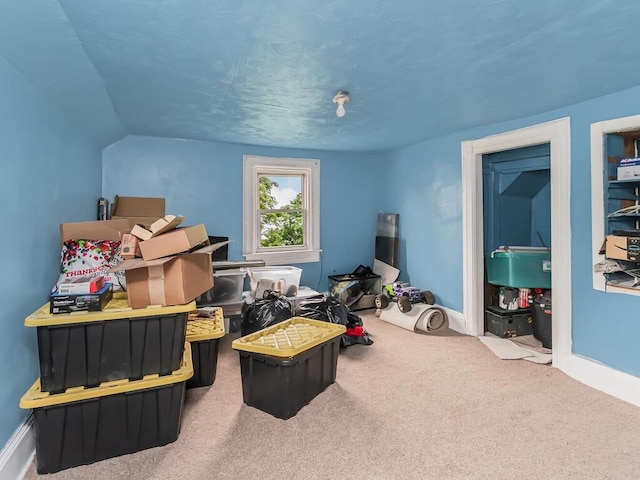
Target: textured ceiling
point(264, 71)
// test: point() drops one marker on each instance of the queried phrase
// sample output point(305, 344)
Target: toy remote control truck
point(404, 294)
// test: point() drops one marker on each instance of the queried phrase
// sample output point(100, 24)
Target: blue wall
point(427, 194)
point(49, 175)
point(517, 195)
point(605, 326)
point(203, 182)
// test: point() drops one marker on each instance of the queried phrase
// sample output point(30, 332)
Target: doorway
point(557, 135)
point(517, 224)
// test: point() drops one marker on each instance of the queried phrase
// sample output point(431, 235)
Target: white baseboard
point(17, 454)
point(456, 320)
point(606, 379)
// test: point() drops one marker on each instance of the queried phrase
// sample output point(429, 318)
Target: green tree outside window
point(279, 226)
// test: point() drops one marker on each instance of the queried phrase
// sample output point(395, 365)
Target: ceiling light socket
point(340, 99)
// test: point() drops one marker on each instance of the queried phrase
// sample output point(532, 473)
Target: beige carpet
point(410, 406)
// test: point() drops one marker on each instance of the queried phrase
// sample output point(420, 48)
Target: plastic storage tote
point(287, 365)
point(89, 348)
point(519, 267)
point(227, 288)
point(284, 280)
point(542, 314)
point(85, 425)
point(204, 336)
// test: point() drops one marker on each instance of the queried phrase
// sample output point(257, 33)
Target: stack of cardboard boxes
point(165, 263)
point(125, 365)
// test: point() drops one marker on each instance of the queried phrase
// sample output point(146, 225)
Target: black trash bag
point(269, 310)
point(325, 308)
point(330, 309)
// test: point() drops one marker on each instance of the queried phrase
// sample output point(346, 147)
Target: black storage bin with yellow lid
point(119, 342)
point(203, 334)
point(287, 365)
point(85, 425)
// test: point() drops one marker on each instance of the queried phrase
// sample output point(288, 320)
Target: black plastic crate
point(282, 385)
point(89, 348)
point(509, 323)
point(82, 427)
point(204, 336)
point(205, 362)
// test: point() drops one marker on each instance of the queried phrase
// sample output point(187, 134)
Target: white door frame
point(558, 134)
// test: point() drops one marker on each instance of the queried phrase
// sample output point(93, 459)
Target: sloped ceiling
point(39, 41)
point(264, 72)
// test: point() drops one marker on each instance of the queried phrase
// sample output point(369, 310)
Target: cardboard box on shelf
point(138, 210)
point(96, 230)
point(623, 248)
point(174, 280)
point(176, 241)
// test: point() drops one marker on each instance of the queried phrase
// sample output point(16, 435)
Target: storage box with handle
point(519, 267)
point(85, 425)
point(287, 365)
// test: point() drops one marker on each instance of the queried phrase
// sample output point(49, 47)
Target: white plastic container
point(285, 280)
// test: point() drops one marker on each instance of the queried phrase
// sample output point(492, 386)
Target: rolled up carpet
point(421, 318)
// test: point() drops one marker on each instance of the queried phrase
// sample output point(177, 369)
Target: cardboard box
point(80, 302)
point(172, 280)
point(177, 241)
point(623, 248)
point(97, 230)
point(81, 285)
point(629, 169)
point(160, 226)
point(138, 210)
point(129, 246)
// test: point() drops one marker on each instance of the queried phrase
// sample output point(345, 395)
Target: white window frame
point(599, 132)
point(255, 166)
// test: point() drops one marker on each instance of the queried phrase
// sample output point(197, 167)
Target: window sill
point(285, 258)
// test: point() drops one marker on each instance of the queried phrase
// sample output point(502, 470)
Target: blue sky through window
point(288, 188)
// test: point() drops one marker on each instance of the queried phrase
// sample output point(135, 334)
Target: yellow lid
point(116, 309)
point(35, 398)
point(289, 338)
point(206, 328)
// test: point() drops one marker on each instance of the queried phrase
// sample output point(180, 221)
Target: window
point(281, 210)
